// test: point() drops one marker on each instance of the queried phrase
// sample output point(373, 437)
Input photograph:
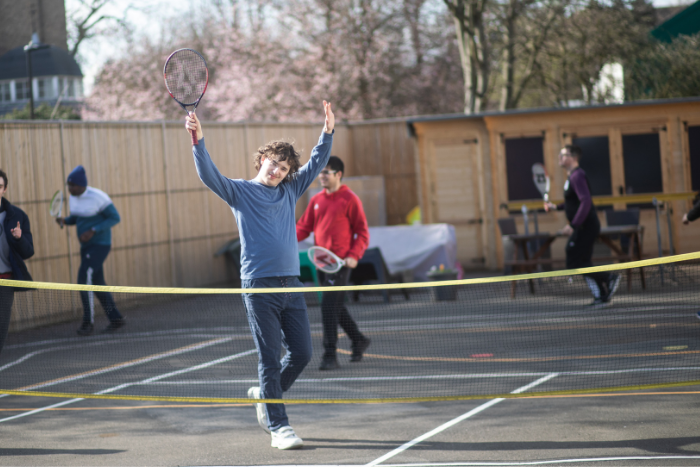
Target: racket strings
point(56, 203)
point(325, 260)
point(186, 76)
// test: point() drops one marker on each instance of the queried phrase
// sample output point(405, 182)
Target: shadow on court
point(5, 452)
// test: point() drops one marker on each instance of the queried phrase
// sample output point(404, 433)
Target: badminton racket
point(325, 260)
point(56, 205)
point(541, 179)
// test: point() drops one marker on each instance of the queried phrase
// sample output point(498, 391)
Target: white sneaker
point(285, 438)
point(254, 393)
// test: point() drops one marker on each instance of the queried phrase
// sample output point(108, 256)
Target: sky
point(152, 15)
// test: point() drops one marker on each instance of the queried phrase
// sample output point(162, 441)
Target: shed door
point(456, 198)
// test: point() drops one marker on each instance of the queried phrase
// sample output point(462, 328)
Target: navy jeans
point(92, 257)
point(277, 320)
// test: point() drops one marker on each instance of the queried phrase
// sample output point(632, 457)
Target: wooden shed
point(475, 169)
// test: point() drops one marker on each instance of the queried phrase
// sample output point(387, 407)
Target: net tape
point(195, 345)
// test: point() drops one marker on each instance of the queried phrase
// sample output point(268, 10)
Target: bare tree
point(590, 35)
point(526, 28)
point(88, 20)
point(474, 50)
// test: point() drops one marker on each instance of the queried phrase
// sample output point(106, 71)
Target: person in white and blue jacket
point(16, 245)
point(94, 214)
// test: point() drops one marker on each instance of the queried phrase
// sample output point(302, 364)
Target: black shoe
point(329, 363)
point(597, 303)
point(114, 325)
point(86, 329)
point(359, 348)
point(613, 284)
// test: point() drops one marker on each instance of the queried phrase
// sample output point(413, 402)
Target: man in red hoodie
point(336, 218)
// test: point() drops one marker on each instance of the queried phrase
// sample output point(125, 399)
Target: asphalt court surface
point(483, 343)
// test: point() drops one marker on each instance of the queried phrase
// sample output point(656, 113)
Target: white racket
point(325, 260)
point(541, 179)
point(56, 204)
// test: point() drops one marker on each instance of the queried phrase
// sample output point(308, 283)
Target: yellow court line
point(209, 406)
point(462, 330)
point(387, 400)
point(527, 359)
point(412, 285)
point(120, 365)
point(135, 407)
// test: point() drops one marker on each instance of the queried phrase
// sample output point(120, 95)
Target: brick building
point(55, 73)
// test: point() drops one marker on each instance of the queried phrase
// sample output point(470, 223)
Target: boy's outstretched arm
point(208, 173)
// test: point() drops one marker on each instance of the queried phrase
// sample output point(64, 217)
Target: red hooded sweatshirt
point(337, 221)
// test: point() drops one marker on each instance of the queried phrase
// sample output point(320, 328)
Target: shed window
point(694, 147)
point(642, 158)
point(521, 154)
point(595, 161)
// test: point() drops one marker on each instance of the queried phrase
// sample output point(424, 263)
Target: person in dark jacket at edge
point(583, 227)
point(690, 216)
point(16, 245)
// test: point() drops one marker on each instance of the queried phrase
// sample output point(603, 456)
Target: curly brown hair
point(279, 151)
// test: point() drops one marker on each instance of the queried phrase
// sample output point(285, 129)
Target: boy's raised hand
point(192, 123)
point(330, 118)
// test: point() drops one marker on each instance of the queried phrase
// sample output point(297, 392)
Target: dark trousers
point(92, 257)
point(7, 296)
point(334, 312)
point(579, 254)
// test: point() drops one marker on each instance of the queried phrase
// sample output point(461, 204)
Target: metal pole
point(670, 229)
point(33, 46)
point(655, 202)
point(28, 51)
point(671, 248)
point(527, 228)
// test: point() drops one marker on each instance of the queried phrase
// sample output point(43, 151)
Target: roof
point(504, 113)
point(686, 22)
point(49, 61)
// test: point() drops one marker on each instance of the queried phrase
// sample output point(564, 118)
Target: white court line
point(455, 421)
point(431, 377)
point(418, 323)
point(105, 370)
point(126, 385)
point(559, 461)
point(129, 364)
point(488, 464)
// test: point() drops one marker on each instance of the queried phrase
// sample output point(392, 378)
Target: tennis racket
point(56, 205)
point(541, 179)
point(186, 77)
point(325, 260)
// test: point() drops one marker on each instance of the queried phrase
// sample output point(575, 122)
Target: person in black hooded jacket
point(694, 213)
point(16, 245)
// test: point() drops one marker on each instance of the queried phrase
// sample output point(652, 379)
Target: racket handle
point(195, 141)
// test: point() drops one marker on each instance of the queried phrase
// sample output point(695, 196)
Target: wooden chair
point(625, 217)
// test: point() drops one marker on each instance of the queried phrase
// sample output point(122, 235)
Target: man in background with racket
point(94, 214)
point(337, 219)
point(264, 211)
point(16, 245)
point(583, 227)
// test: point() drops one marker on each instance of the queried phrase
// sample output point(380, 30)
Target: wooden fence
point(171, 223)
